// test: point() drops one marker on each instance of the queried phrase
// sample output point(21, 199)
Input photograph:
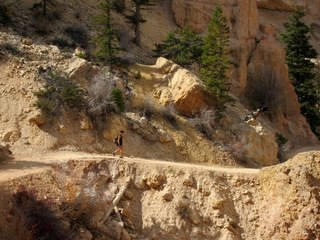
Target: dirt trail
point(23, 165)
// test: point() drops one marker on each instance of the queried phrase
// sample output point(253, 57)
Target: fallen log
point(115, 202)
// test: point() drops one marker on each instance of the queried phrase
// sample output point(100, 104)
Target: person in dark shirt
point(119, 143)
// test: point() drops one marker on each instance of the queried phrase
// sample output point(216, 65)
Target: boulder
point(187, 93)
point(184, 90)
point(81, 70)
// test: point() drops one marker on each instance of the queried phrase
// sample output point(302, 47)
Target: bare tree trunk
point(137, 23)
point(110, 35)
point(115, 202)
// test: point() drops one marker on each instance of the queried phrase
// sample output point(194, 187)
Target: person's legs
point(121, 151)
point(117, 150)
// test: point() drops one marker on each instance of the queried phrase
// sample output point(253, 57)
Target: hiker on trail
point(119, 142)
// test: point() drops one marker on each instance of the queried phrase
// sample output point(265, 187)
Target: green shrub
point(118, 99)
point(82, 55)
point(60, 92)
point(47, 106)
point(182, 46)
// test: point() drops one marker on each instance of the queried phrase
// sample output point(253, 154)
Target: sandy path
point(23, 165)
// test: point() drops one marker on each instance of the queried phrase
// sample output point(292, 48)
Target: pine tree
point(215, 59)
point(136, 19)
point(183, 46)
point(299, 53)
point(105, 38)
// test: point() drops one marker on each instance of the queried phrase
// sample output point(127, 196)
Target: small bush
point(100, 98)
point(82, 55)
point(37, 216)
point(148, 109)
point(59, 92)
point(4, 15)
point(205, 123)
point(170, 115)
point(118, 99)
point(77, 34)
point(47, 106)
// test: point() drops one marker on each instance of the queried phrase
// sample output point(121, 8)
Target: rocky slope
point(178, 201)
point(164, 200)
point(259, 59)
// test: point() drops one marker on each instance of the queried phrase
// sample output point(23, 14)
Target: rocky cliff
point(259, 59)
point(171, 201)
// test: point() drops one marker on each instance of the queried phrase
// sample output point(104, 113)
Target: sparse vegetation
point(183, 46)
point(10, 49)
point(137, 75)
point(118, 99)
point(82, 55)
point(41, 24)
point(169, 114)
point(264, 89)
point(59, 92)
point(35, 217)
point(42, 5)
point(100, 98)
point(205, 123)
point(148, 109)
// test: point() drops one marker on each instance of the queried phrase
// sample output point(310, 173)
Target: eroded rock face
point(243, 20)
point(256, 52)
point(269, 85)
point(175, 201)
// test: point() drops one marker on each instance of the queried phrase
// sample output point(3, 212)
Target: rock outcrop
point(166, 200)
point(181, 88)
point(256, 52)
point(269, 85)
point(81, 71)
